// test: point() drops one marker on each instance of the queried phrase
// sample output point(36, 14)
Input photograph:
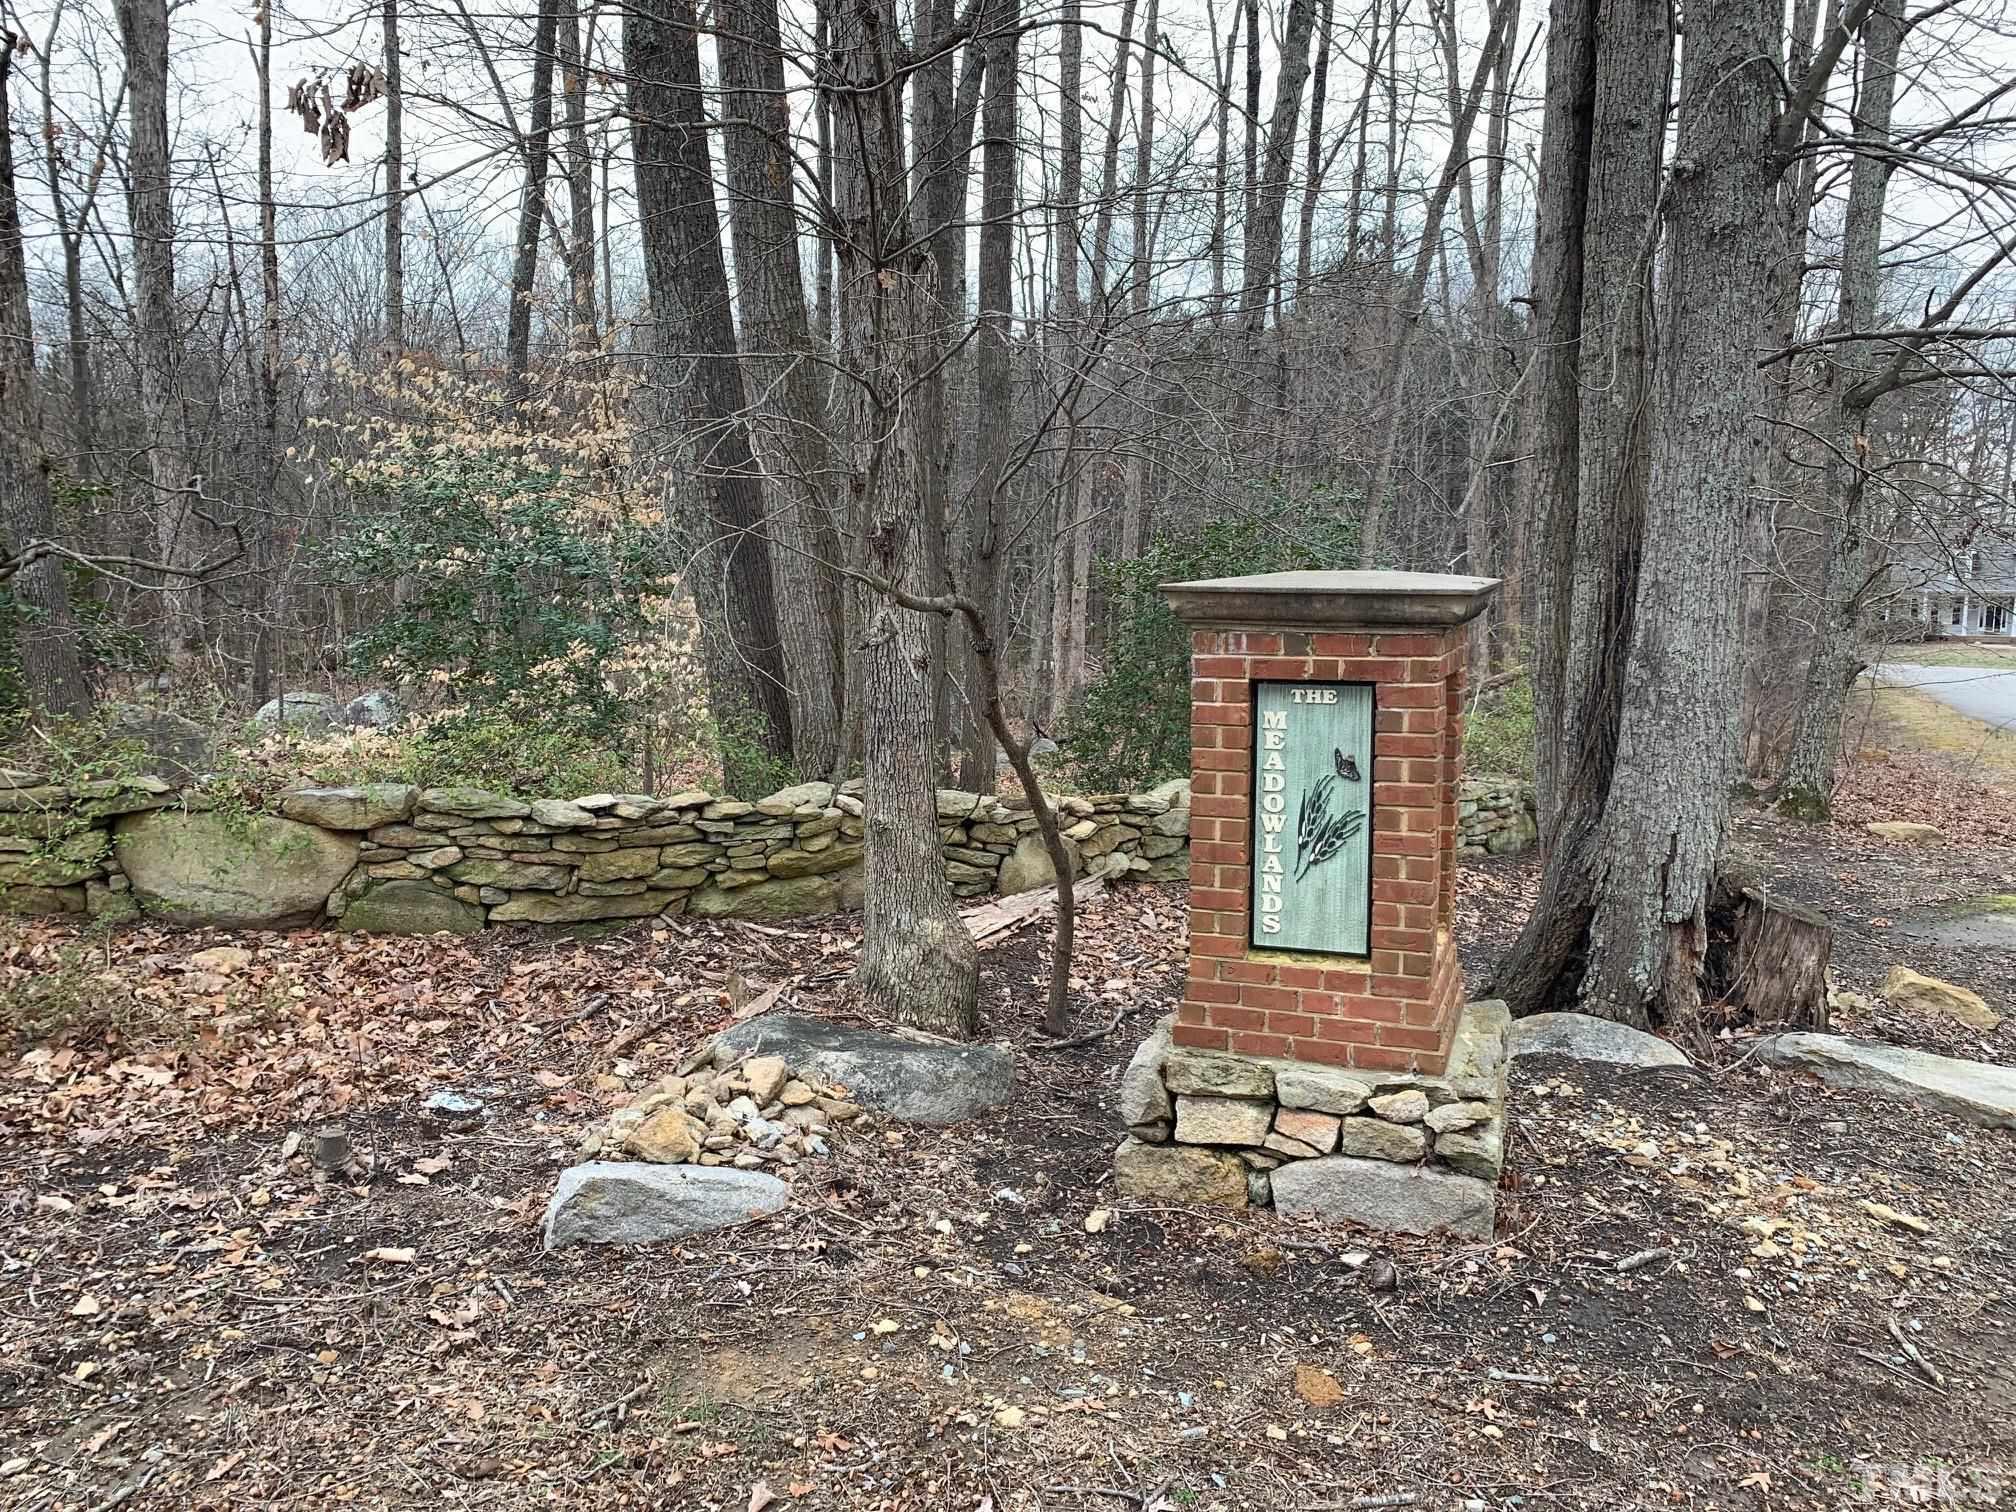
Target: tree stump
point(1768, 960)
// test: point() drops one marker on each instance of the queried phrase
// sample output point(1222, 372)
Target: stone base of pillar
point(1407, 1151)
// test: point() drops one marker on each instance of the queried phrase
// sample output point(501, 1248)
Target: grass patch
point(1936, 654)
point(1905, 719)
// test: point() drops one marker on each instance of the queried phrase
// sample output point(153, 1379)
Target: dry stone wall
point(1495, 816)
point(394, 858)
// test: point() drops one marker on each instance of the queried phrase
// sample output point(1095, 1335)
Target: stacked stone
point(576, 860)
point(750, 1116)
point(396, 858)
point(993, 845)
point(1495, 816)
point(1233, 1130)
point(56, 852)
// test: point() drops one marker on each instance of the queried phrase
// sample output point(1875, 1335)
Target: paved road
point(1984, 693)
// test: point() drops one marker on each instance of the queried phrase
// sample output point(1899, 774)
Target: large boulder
point(378, 709)
point(313, 712)
point(1379, 1194)
point(921, 1081)
point(350, 808)
point(411, 908)
point(175, 746)
point(781, 897)
point(1184, 1174)
point(1904, 830)
point(1927, 995)
point(1582, 1036)
point(629, 1202)
point(1028, 866)
point(248, 869)
point(1972, 1090)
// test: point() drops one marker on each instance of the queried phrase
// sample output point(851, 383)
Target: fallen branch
point(1083, 1039)
point(1911, 1353)
point(1000, 915)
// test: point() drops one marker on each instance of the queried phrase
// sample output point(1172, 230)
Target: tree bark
point(179, 530)
point(1070, 540)
point(580, 169)
point(1767, 960)
point(777, 337)
point(1134, 511)
point(918, 964)
point(395, 184)
point(1312, 177)
point(40, 623)
point(696, 358)
point(1269, 198)
point(1668, 802)
point(531, 212)
point(994, 372)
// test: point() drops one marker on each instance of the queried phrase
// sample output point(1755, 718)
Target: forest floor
point(941, 1319)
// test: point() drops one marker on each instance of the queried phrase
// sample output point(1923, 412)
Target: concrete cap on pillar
point(1350, 600)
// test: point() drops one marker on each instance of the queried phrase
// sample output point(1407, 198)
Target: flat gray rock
point(1402, 1199)
point(1582, 1036)
point(915, 1080)
point(629, 1202)
point(1974, 1090)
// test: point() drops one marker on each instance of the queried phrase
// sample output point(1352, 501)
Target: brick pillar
point(1394, 1007)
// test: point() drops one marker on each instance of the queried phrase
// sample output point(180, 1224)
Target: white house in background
point(1971, 592)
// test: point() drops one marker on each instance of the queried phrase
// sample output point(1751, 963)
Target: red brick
point(1329, 1053)
point(1284, 999)
point(1281, 668)
point(1218, 666)
point(1378, 1010)
point(1290, 1024)
point(1235, 784)
point(1218, 945)
point(1206, 642)
point(1347, 1031)
point(1231, 1016)
point(1198, 991)
point(1393, 890)
point(1211, 806)
point(1371, 1057)
point(1302, 976)
point(1409, 1039)
point(1262, 1044)
point(1420, 940)
point(1216, 897)
point(1425, 671)
point(1412, 696)
point(1413, 645)
point(1411, 794)
point(1197, 1037)
point(1205, 922)
point(1347, 981)
point(1342, 645)
point(1397, 744)
point(1190, 1013)
point(1218, 761)
point(1212, 850)
point(1221, 714)
point(1253, 642)
point(1375, 669)
point(1421, 1015)
point(1248, 971)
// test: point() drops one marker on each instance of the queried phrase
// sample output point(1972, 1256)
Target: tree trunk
point(39, 621)
point(1312, 185)
point(1668, 801)
point(1134, 511)
point(918, 964)
point(263, 512)
point(531, 212)
point(395, 186)
point(1221, 170)
point(1068, 547)
point(178, 529)
point(1849, 540)
point(994, 372)
point(722, 519)
point(777, 336)
point(1269, 197)
point(580, 165)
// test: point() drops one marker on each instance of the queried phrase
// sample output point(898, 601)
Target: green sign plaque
point(1312, 817)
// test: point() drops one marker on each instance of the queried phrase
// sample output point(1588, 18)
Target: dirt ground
point(1690, 1301)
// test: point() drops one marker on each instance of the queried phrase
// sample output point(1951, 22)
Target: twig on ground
point(1642, 1259)
point(1082, 1039)
point(1911, 1353)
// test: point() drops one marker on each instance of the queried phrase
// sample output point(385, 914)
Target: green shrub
point(502, 749)
point(1498, 737)
point(520, 596)
point(1131, 726)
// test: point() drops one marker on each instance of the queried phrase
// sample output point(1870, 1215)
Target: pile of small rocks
point(751, 1115)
